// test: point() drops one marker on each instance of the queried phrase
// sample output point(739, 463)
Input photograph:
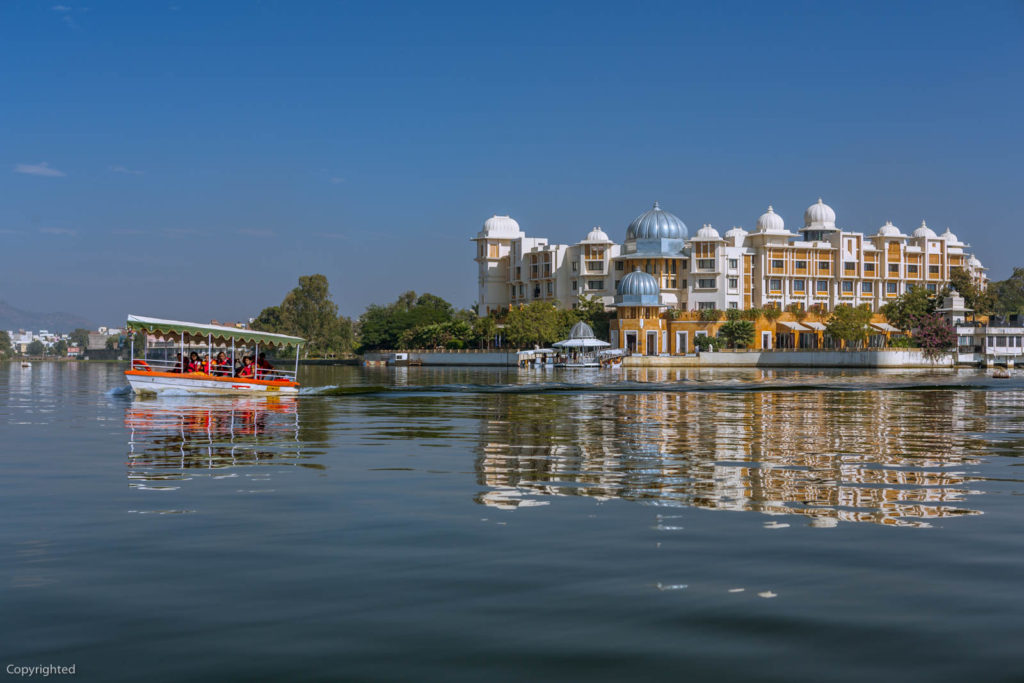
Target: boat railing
point(174, 366)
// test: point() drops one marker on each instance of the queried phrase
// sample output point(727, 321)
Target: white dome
point(501, 226)
point(771, 222)
point(735, 232)
point(889, 230)
point(924, 231)
point(950, 237)
point(819, 215)
point(707, 233)
point(973, 262)
point(597, 235)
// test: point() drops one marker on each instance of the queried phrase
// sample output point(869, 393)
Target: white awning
point(816, 326)
point(585, 343)
point(885, 327)
point(796, 327)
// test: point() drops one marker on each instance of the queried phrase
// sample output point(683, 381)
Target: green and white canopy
point(175, 328)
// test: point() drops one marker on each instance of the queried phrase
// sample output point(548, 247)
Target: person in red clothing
point(248, 369)
point(262, 366)
point(194, 363)
point(221, 365)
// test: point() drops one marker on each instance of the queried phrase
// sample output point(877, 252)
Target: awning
point(585, 343)
point(885, 327)
point(159, 327)
point(816, 326)
point(796, 327)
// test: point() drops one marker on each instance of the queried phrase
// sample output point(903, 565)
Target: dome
point(597, 235)
point(581, 330)
point(924, 231)
point(950, 237)
point(638, 283)
point(772, 222)
point(501, 226)
point(819, 215)
point(973, 262)
point(656, 224)
point(707, 233)
point(889, 230)
point(735, 232)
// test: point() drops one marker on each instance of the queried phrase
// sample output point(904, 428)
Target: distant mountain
point(12, 318)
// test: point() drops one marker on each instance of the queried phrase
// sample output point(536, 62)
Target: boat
point(536, 358)
point(580, 348)
point(26, 364)
point(156, 371)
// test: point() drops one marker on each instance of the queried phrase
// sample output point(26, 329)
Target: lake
point(467, 524)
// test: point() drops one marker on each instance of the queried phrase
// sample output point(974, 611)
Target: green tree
point(308, 311)
point(907, 307)
point(6, 350)
point(850, 324)
point(1008, 294)
point(269, 320)
point(737, 333)
point(591, 310)
point(60, 348)
point(113, 342)
point(381, 327)
point(36, 348)
point(976, 299)
point(703, 342)
point(537, 323)
point(80, 338)
point(484, 330)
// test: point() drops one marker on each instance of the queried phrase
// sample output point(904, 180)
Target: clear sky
point(191, 158)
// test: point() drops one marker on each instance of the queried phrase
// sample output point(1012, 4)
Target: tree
point(5, 345)
point(850, 324)
point(381, 327)
point(269, 320)
point(934, 335)
point(979, 301)
point(703, 342)
point(80, 338)
point(908, 307)
point(484, 330)
point(60, 348)
point(36, 348)
point(591, 310)
point(113, 342)
point(1008, 294)
point(737, 333)
point(537, 323)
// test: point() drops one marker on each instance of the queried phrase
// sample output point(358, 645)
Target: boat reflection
point(883, 457)
point(169, 436)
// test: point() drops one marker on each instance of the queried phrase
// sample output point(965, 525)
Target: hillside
point(12, 318)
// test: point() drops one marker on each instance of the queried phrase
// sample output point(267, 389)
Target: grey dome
point(581, 330)
point(656, 224)
point(638, 283)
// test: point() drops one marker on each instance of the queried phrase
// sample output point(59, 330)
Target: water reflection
point(168, 437)
point(885, 457)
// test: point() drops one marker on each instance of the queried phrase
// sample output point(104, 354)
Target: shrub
point(705, 343)
point(710, 315)
point(772, 314)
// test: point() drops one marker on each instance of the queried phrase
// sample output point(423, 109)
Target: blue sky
point(192, 159)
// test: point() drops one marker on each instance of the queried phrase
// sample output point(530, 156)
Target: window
point(733, 264)
point(685, 264)
point(619, 265)
point(800, 286)
point(734, 305)
point(672, 265)
point(617, 285)
point(493, 251)
point(930, 287)
point(520, 290)
point(911, 269)
point(775, 284)
point(801, 265)
point(850, 267)
point(890, 287)
point(595, 284)
point(933, 270)
point(907, 287)
point(513, 292)
point(778, 263)
point(705, 306)
point(575, 266)
point(705, 263)
point(824, 266)
point(894, 268)
point(866, 287)
point(821, 286)
point(519, 273)
point(706, 283)
point(734, 282)
point(575, 285)
point(869, 268)
point(847, 287)
point(683, 285)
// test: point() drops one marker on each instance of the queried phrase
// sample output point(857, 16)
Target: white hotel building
point(823, 265)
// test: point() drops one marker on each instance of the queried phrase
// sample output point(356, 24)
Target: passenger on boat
point(221, 365)
point(194, 363)
point(262, 366)
point(248, 369)
point(176, 367)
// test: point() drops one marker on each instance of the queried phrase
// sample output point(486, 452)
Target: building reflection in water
point(886, 457)
point(169, 436)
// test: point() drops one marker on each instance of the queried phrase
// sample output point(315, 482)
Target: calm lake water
point(477, 524)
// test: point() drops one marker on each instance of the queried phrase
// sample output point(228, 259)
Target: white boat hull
point(158, 383)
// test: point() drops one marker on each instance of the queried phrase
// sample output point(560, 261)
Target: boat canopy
point(174, 328)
